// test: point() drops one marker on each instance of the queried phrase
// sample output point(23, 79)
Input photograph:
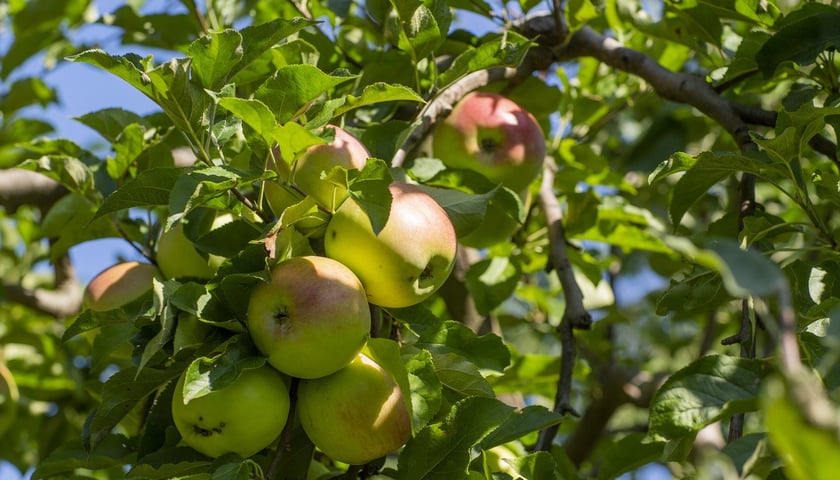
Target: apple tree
point(424, 239)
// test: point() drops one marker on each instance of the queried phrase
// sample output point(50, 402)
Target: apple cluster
point(311, 318)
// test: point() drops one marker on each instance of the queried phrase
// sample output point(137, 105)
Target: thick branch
point(675, 86)
point(63, 300)
point(24, 187)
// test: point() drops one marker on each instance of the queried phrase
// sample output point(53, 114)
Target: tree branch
point(63, 300)
point(20, 187)
point(575, 315)
point(679, 87)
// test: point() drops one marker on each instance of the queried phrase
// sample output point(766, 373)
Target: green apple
point(118, 285)
point(177, 257)
point(355, 415)
point(243, 417)
point(311, 319)
point(492, 135)
point(408, 260)
point(344, 151)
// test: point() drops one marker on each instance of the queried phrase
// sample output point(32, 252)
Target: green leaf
point(519, 423)
point(62, 224)
point(707, 170)
point(121, 392)
point(486, 351)
point(259, 39)
point(629, 453)
point(254, 113)
point(214, 55)
point(294, 87)
point(543, 465)
point(417, 26)
point(110, 122)
point(200, 186)
point(424, 387)
point(369, 189)
point(803, 35)
point(506, 50)
point(713, 388)
point(379, 92)
point(112, 451)
point(25, 92)
point(150, 188)
point(807, 449)
point(69, 171)
point(492, 281)
point(127, 67)
point(205, 375)
point(461, 376)
point(293, 139)
point(442, 450)
point(466, 211)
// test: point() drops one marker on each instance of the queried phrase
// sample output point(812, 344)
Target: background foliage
point(669, 298)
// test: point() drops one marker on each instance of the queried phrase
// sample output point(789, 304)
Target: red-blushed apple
point(355, 415)
point(344, 151)
point(408, 260)
point(311, 319)
point(119, 285)
point(244, 417)
point(491, 134)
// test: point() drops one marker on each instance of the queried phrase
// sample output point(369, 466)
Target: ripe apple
point(492, 135)
point(408, 260)
point(311, 319)
point(118, 285)
point(243, 417)
point(355, 415)
point(344, 151)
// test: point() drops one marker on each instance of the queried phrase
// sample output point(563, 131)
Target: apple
point(355, 415)
point(492, 135)
point(311, 319)
point(408, 260)
point(344, 151)
point(243, 417)
point(178, 258)
point(119, 285)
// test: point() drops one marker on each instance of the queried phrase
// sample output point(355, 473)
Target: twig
point(788, 344)
point(575, 315)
